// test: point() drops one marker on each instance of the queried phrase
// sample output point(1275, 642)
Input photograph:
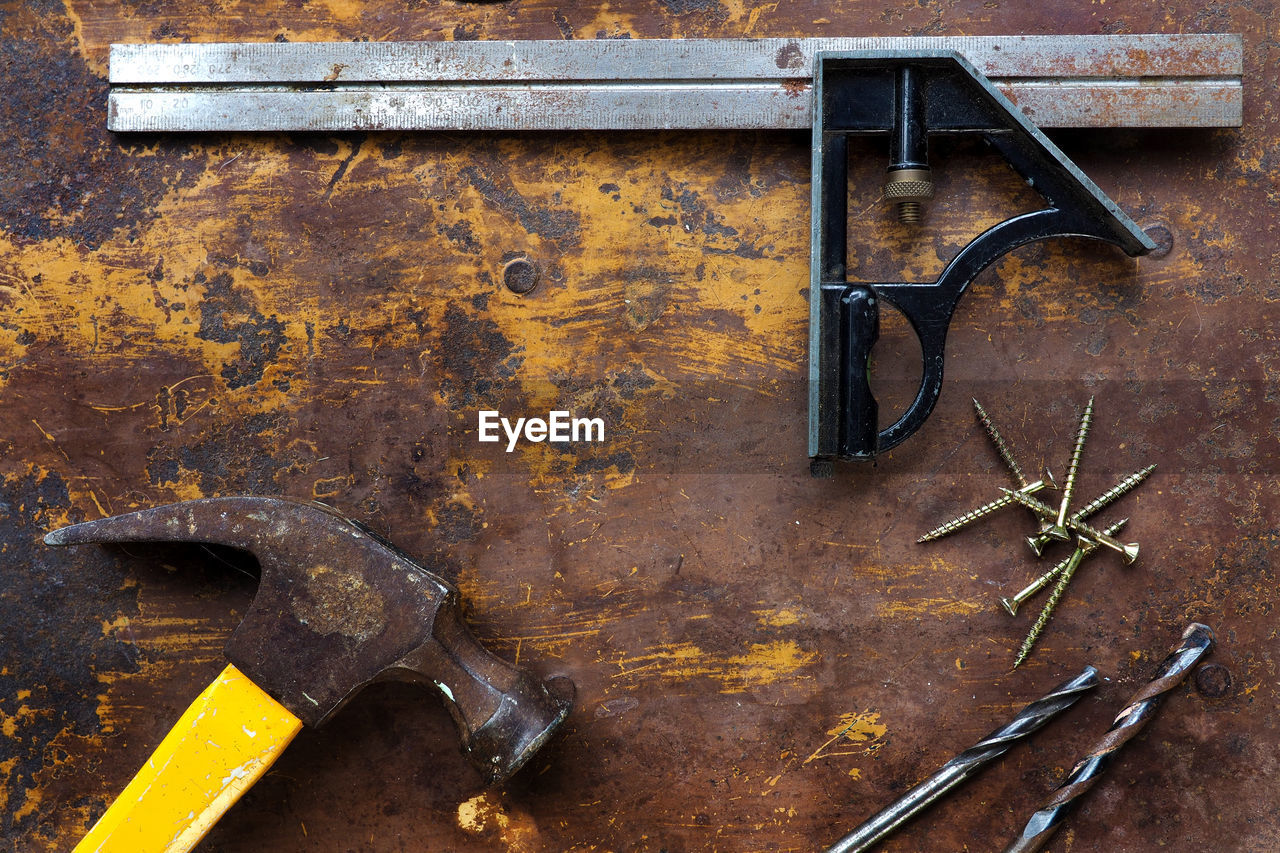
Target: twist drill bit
point(1196, 640)
point(1129, 551)
point(1058, 530)
point(1002, 447)
point(1011, 604)
point(968, 763)
point(962, 521)
point(1099, 503)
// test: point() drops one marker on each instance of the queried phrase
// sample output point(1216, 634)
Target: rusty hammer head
point(338, 607)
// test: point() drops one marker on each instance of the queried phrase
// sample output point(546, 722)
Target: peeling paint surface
point(762, 659)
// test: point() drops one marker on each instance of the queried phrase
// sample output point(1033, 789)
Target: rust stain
point(186, 317)
point(338, 602)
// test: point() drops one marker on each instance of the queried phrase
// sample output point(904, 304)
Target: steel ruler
point(643, 84)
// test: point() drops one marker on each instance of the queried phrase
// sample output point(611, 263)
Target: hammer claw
point(255, 524)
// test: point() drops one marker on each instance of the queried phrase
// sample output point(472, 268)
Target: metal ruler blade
point(623, 84)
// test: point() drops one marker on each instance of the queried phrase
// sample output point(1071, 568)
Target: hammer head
point(338, 607)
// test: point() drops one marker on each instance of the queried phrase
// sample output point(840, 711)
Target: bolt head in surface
point(520, 275)
point(1213, 680)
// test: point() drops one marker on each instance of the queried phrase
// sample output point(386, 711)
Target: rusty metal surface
point(642, 84)
point(762, 659)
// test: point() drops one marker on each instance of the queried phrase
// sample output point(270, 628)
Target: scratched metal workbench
point(762, 658)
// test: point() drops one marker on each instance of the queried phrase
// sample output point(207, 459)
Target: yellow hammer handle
point(224, 742)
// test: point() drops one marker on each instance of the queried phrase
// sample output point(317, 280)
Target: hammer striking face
point(337, 608)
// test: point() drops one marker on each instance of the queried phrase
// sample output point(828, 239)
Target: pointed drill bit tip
point(75, 534)
point(61, 536)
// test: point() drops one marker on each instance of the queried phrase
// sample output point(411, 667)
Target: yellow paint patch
point(854, 734)
point(859, 728)
point(761, 664)
point(931, 607)
point(117, 624)
point(476, 813)
point(516, 830)
point(780, 618)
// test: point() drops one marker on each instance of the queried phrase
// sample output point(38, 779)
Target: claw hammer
point(337, 608)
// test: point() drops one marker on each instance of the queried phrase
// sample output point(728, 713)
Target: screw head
point(1057, 531)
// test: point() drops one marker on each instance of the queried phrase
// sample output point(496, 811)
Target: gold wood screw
point(1002, 446)
point(1011, 605)
point(1128, 551)
point(1073, 563)
point(1119, 490)
point(1058, 530)
point(983, 511)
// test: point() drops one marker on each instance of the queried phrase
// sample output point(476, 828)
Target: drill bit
point(1196, 640)
point(967, 763)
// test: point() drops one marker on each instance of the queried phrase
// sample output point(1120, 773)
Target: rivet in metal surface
point(1162, 236)
point(1213, 680)
point(520, 275)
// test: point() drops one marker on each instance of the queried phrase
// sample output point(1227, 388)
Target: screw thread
point(908, 211)
point(977, 513)
point(962, 521)
point(1073, 563)
point(1043, 581)
point(1069, 487)
point(1002, 446)
point(1085, 530)
point(1113, 494)
point(1099, 503)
